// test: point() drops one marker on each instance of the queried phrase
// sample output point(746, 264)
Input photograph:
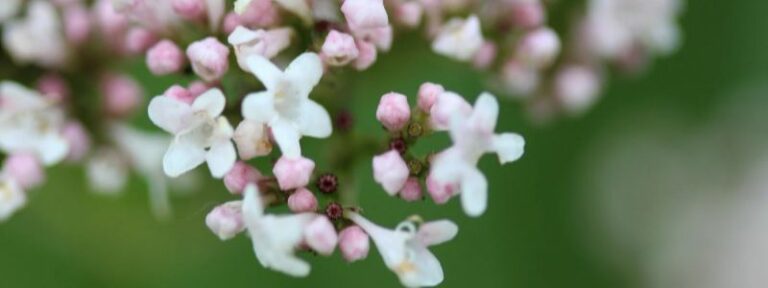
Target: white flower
point(285, 107)
point(459, 39)
point(38, 38)
point(29, 123)
point(201, 134)
point(298, 7)
point(8, 9)
point(107, 171)
point(404, 249)
point(267, 43)
point(12, 198)
point(472, 137)
point(275, 238)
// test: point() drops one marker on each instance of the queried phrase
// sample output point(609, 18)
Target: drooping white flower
point(201, 133)
point(30, 124)
point(267, 43)
point(459, 39)
point(285, 107)
point(274, 237)
point(472, 137)
point(38, 38)
point(404, 249)
point(12, 198)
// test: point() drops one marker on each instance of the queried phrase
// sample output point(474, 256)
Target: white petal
point(287, 137)
point(221, 158)
point(253, 208)
point(391, 245)
point(486, 111)
point(14, 96)
point(509, 147)
point(216, 10)
point(474, 192)
point(314, 120)
point(212, 101)
point(305, 72)
point(182, 156)
point(52, 148)
point(259, 107)
point(268, 73)
point(170, 115)
point(437, 232)
point(12, 198)
point(426, 271)
point(241, 6)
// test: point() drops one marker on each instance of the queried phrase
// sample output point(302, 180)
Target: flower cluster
point(254, 75)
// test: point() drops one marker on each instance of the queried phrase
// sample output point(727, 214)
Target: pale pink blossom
point(25, 169)
point(293, 172)
point(339, 49)
point(411, 190)
point(138, 40)
point(77, 24)
point(354, 243)
point(391, 171)
point(240, 176)
point(409, 13)
point(265, 43)
point(189, 9)
point(165, 58)
point(519, 79)
point(209, 58)
point(459, 39)
point(528, 13)
point(446, 106)
point(577, 87)
point(78, 139)
point(122, 95)
point(302, 200)
point(367, 55)
point(393, 111)
point(365, 14)
point(320, 235)
point(226, 220)
point(53, 87)
point(180, 94)
point(539, 48)
point(485, 56)
point(428, 93)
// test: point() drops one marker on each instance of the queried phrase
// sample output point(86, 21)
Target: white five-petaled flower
point(404, 249)
point(29, 123)
point(473, 135)
point(285, 107)
point(12, 198)
point(201, 133)
point(275, 238)
point(459, 39)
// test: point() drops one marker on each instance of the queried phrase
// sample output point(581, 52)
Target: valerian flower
point(201, 133)
point(267, 43)
point(404, 249)
point(473, 136)
point(29, 123)
point(459, 39)
point(285, 107)
point(37, 38)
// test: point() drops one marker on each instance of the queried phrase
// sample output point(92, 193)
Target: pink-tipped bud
point(428, 93)
point(577, 88)
point(240, 176)
point(528, 14)
point(180, 94)
point(539, 48)
point(409, 13)
point(197, 88)
point(354, 243)
point(366, 55)
point(165, 58)
point(226, 220)
point(189, 9)
point(485, 56)
point(321, 236)
point(122, 95)
point(53, 87)
point(109, 20)
point(139, 40)
point(231, 21)
point(440, 192)
point(292, 173)
point(339, 49)
point(391, 171)
point(209, 58)
point(260, 13)
point(519, 79)
point(365, 14)
point(412, 190)
point(393, 111)
point(25, 169)
point(302, 201)
point(78, 140)
point(77, 24)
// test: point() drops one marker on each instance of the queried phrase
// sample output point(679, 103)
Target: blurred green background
point(538, 230)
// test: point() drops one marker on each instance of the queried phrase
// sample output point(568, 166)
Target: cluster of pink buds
point(252, 75)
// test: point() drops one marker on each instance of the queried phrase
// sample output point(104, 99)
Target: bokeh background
point(662, 184)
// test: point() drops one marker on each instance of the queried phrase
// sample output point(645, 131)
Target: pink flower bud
point(209, 58)
point(189, 9)
point(365, 14)
point(354, 243)
point(428, 93)
point(197, 88)
point(25, 169)
point(240, 176)
point(447, 105)
point(110, 21)
point(528, 14)
point(231, 21)
point(393, 111)
point(411, 191)
point(77, 24)
point(78, 140)
point(485, 56)
point(226, 220)
point(409, 13)
point(293, 173)
point(260, 13)
point(577, 88)
point(339, 49)
point(539, 48)
point(440, 192)
point(122, 95)
point(391, 171)
point(321, 236)
point(519, 79)
point(180, 94)
point(53, 87)
point(165, 58)
point(302, 201)
point(366, 55)
point(139, 40)
point(381, 37)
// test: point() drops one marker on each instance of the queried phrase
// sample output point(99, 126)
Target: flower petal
point(253, 208)
point(305, 72)
point(252, 140)
point(52, 148)
point(215, 10)
point(509, 147)
point(437, 232)
point(212, 101)
point(314, 120)
point(486, 112)
point(474, 192)
point(259, 107)
point(170, 115)
point(287, 137)
point(221, 158)
point(423, 270)
point(268, 73)
point(182, 156)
